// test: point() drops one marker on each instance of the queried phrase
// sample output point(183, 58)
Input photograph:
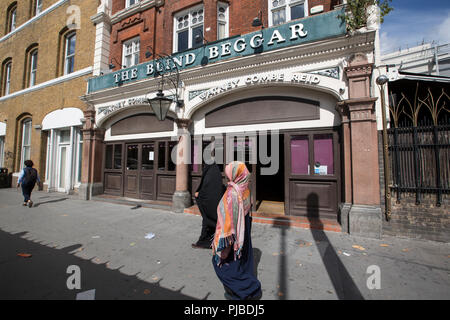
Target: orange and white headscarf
point(231, 211)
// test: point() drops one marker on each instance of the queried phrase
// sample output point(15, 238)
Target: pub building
point(292, 95)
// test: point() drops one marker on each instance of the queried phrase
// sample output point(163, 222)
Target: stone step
point(288, 221)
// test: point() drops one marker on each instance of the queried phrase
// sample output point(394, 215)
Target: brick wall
point(423, 221)
point(45, 31)
point(241, 15)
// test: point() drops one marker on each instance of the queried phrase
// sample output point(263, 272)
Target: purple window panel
point(323, 152)
point(299, 155)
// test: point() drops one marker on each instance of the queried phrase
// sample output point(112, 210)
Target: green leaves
point(357, 12)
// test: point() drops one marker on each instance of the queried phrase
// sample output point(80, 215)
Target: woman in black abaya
point(208, 195)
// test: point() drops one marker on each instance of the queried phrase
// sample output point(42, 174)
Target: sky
point(414, 21)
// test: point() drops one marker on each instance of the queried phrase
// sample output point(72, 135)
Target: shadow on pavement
point(49, 201)
point(44, 274)
point(343, 283)
point(257, 254)
point(282, 288)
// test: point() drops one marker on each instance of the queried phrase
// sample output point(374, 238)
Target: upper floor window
point(69, 52)
point(33, 67)
point(129, 3)
point(11, 18)
point(31, 61)
point(130, 55)
point(6, 77)
point(222, 20)
point(281, 11)
point(37, 7)
point(188, 26)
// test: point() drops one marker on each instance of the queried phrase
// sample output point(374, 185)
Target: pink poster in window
point(299, 155)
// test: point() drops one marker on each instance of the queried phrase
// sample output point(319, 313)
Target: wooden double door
point(141, 170)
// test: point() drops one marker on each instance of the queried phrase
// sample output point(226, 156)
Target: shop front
point(288, 136)
point(301, 114)
point(64, 149)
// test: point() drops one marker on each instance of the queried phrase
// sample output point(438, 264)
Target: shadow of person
point(257, 254)
point(282, 288)
point(342, 281)
point(50, 201)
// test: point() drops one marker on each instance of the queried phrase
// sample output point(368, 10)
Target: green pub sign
point(309, 29)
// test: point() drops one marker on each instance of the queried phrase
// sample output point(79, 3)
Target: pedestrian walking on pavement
point(28, 178)
point(207, 197)
point(232, 245)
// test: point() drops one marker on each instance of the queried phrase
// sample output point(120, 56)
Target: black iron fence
point(420, 160)
point(419, 143)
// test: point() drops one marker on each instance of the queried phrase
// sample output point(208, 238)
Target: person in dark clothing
point(28, 178)
point(207, 196)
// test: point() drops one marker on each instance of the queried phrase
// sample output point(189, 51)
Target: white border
point(49, 83)
point(36, 17)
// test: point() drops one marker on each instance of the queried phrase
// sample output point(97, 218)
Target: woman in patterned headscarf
point(232, 246)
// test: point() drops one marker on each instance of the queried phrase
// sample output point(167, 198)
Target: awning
point(63, 118)
point(421, 77)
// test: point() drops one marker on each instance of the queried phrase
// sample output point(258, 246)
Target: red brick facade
point(154, 25)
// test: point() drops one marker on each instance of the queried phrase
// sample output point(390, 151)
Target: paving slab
point(106, 241)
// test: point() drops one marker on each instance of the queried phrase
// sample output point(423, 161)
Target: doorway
point(270, 188)
point(63, 161)
point(139, 170)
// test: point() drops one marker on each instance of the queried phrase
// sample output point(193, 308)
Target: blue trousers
point(26, 191)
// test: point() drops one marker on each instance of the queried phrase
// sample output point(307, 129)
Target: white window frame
point(33, 70)
point(287, 8)
point(2, 150)
point(223, 22)
point(79, 156)
point(38, 7)
point(8, 68)
point(12, 19)
point(189, 27)
point(135, 51)
point(26, 125)
point(67, 56)
point(129, 4)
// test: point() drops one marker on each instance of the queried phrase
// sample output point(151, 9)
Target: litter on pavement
point(24, 255)
point(346, 254)
point(150, 235)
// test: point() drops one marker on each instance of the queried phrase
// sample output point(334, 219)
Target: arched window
point(33, 67)
point(36, 7)
point(69, 52)
point(6, 76)
point(31, 64)
point(66, 52)
point(11, 16)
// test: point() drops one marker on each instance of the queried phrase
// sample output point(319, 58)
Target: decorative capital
point(183, 123)
point(360, 109)
point(101, 17)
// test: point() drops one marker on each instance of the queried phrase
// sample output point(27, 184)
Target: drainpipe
point(381, 81)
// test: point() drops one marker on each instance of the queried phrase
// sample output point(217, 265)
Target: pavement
point(63, 248)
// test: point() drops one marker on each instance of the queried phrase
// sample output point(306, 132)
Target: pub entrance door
point(312, 173)
point(139, 170)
